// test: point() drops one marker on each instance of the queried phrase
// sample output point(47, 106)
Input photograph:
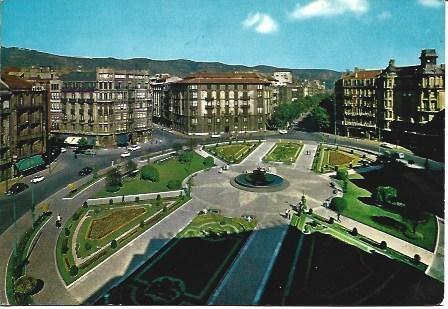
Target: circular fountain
point(259, 180)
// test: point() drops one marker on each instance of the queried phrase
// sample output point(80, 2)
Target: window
point(209, 120)
point(218, 120)
point(260, 87)
point(194, 121)
point(260, 110)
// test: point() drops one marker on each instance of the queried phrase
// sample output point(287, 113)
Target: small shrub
point(209, 161)
point(331, 220)
point(87, 246)
point(351, 150)
point(66, 231)
point(341, 174)
point(111, 201)
point(174, 184)
point(363, 155)
point(354, 232)
point(149, 172)
point(85, 204)
point(74, 270)
point(75, 216)
point(310, 211)
point(25, 285)
point(137, 199)
point(142, 224)
point(411, 162)
point(165, 209)
point(113, 244)
point(64, 247)
point(383, 245)
point(417, 258)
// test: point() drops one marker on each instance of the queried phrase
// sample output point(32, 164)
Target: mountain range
point(23, 58)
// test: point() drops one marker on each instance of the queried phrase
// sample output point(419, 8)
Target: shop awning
point(29, 163)
point(122, 139)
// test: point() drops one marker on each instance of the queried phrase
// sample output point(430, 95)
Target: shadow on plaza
point(309, 270)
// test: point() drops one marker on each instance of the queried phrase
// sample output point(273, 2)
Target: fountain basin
point(259, 181)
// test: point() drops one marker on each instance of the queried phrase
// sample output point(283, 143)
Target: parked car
point(386, 145)
point(90, 152)
point(63, 150)
point(398, 155)
point(282, 131)
point(125, 154)
point(85, 171)
point(134, 147)
point(17, 188)
point(37, 178)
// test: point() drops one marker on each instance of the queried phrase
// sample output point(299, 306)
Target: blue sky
point(332, 34)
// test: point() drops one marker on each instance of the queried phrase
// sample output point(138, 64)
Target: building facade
point(24, 132)
point(216, 103)
point(396, 99)
point(107, 107)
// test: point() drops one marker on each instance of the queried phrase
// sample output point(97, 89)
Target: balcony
point(81, 101)
point(82, 120)
point(209, 106)
point(209, 99)
point(193, 107)
point(245, 105)
point(89, 101)
point(245, 98)
point(72, 101)
point(91, 121)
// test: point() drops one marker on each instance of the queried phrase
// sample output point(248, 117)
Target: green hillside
point(20, 57)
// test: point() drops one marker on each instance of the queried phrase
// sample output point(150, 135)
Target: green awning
point(29, 163)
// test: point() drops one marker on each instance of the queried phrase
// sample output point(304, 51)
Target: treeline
point(317, 107)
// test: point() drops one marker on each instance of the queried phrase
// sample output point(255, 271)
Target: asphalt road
point(67, 172)
point(69, 167)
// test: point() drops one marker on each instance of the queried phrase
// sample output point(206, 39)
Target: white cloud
point(384, 15)
point(431, 3)
point(327, 8)
point(260, 22)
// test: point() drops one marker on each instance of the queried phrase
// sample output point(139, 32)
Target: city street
point(65, 171)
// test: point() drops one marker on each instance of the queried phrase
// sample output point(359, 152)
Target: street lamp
point(334, 108)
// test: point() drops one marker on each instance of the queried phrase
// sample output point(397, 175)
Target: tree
point(338, 204)
point(384, 195)
point(113, 180)
point(149, 172)
point(320, 116)
point(83, 142)
point(186, 156)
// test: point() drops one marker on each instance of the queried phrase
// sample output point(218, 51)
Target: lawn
point(286, 152)
point(116, 227)
point(189, 267)
point(171, 169)
point(393, 223)
point(232, 153)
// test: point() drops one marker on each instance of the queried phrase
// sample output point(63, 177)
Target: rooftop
point(362, 74)
point(16, 83)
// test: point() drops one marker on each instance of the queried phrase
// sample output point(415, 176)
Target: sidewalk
point(393, 242)
point(305, 162)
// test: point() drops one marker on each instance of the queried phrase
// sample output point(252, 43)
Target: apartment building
point(5, 131)
point(108, 107)
point(383, 102)
point(24, 134)
point(215, 103)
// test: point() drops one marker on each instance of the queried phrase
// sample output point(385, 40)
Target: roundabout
point(259, 180)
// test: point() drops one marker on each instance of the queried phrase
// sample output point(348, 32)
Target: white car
point(282, 131)
point(63, 150)
point(37, 178)
point(134, 147)
point(125, 154)
point(386, 145)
